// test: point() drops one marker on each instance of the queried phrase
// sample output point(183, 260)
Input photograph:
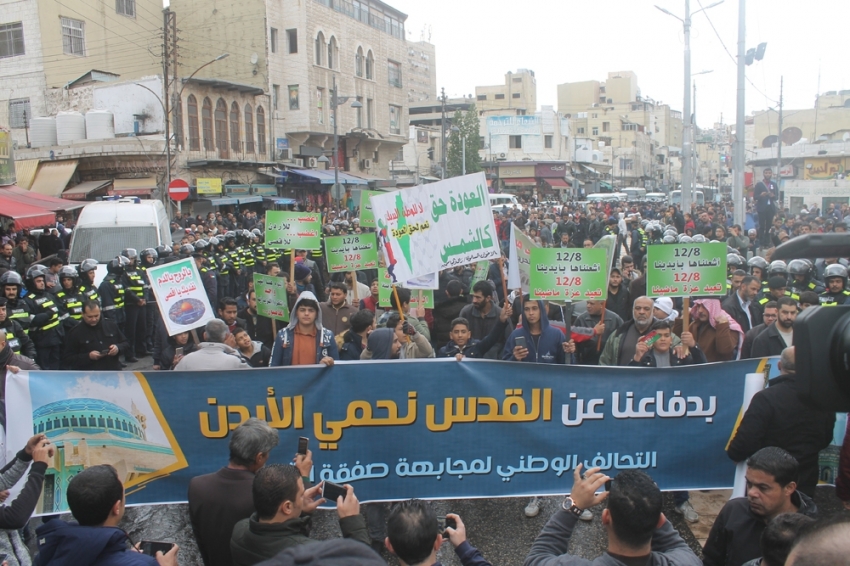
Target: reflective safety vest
point(45, 303)
point(118, 299)
point(235, 258)
point(223, 262)
point(13, 341)
point(136, 283)
point(247, 255)
point(643, 237)
point(89, 293)
point(259, 253)
point(71, 303)
point(828, 299)
point(20, 313)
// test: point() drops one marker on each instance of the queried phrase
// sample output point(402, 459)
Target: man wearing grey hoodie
point(305, 341)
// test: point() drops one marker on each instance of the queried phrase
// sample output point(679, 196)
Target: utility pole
point(443, 134)
point(779, 148)
point(740, 128)
point(166, 28)
point(687, 134)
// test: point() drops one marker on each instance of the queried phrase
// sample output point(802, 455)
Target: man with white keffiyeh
point(718, 334)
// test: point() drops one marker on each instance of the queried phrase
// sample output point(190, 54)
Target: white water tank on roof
point(100, 125)
point(43, 131)
point(70, 127)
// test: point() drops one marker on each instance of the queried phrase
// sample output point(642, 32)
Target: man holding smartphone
point(94, 344)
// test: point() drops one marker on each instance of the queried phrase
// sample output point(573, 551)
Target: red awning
point(46, 202)
point(520, 181)
point(557, 183)
point(25, 215)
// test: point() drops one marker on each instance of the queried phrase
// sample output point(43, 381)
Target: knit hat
point(334, 552)
point(665, 305)
point(776, 282)
point(301, 271)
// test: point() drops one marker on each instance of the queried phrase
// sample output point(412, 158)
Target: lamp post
point(456, 130)
point(336, 100)
point(687, 148)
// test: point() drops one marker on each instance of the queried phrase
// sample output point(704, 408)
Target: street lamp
point(336, 100)
point(687, 147)
point(456, 130)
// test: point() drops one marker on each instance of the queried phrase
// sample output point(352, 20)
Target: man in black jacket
point(780, 334)
point(765, 196)
point(741, 304)
point(781, 416)
point(768, 317)
point(94, 344)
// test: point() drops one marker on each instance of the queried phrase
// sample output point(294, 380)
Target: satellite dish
point(791, 135)
point(254, 58)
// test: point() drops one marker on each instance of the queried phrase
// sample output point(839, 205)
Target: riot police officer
point(69, 299)
point(45, 330)
point(135, 299)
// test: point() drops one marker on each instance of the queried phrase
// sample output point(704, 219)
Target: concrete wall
point(578, 96)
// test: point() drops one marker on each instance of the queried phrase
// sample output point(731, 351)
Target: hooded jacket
point(547, 349)
point(325, 343)
point(475, 348)
point(69, 544)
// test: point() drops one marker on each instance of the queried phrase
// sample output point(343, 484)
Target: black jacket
point(619, 303)
point(17, 338)
point(444, 314)
point(768, 343)
point(781, 416)
point(749, 338)
point(84, 339)
point(694, 357)
point(732, 305)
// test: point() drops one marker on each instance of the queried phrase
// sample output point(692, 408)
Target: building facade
point(518, 92)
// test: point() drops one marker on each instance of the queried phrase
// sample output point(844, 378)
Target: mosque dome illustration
point(89, 432)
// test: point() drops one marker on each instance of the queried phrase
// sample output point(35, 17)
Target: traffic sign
point(178, 190)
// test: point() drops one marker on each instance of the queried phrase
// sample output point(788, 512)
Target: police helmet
point(214, 241)
point(798, 267)
point(187, 249)
point(150, 252)
point(686, 239)
point(669, 239)
point(256, 232)
point(88, 265)
point(36, 271)
point(758, 261)
point(734, 261)
point(68, 272)
point(699, 239)
point(163, 251)
point(777, 267)
point(11, 278)
point(200, 245)
point(835, 270)
point(130, 253)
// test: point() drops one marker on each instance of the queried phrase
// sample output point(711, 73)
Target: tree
point(467, 123)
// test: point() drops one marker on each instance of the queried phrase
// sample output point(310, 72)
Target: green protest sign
point(481, 270)
point(683, 270)
point(272, 301)
point(293, 230)
point(569, 274)
point(385, 293)
point(351, 252)
point(367, 218)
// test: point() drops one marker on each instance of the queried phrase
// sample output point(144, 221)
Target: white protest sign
point(180, 295)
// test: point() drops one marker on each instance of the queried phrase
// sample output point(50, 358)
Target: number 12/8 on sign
point(685, 270)
point(569, 275)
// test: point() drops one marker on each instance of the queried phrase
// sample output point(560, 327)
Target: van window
point(105, 243)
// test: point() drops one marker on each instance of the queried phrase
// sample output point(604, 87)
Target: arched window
point(234, 127)
point(332, 53)
point(221, 128)
point(194, 129)
point(370, 66)
point(261, 130)
point(207, 124)
point(320, 48)
point(249, 129)
point(358, 62)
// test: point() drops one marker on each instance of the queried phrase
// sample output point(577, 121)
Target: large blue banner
point(394, 430)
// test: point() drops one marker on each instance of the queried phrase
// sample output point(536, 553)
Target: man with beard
point(718, 334)
point(618, 295)
point(780, 334)
point(482, 315)
point(620, 347)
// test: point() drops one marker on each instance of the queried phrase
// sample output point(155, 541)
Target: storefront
point(518, 179)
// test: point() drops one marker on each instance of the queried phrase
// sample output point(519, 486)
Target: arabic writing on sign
point(677, 406)
point(565, 267)
point(479, 239)
point(174, 277)
point(662, 265)
point(289, 413)
point(410, 229)
point(410, 210)
point(180, 291)
point(464, 202)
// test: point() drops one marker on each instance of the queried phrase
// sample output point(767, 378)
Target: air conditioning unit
point(312, 162)
point(503, 155)
point(298, 162)
point(366, 164)
point(284, 154)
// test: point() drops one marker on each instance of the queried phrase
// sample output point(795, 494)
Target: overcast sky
point(574, 40)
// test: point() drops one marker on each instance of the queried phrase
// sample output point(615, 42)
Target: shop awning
point(309, 176)
point(557, 183)
point(280, 201)
point(220, 201)
point(520, 182)
point(604, 185)
point(25, 171)
point(46, 202)
point(250, 198)
point(25, 215)
point(53, 177)
point(133, 187)
point(589, 168)
point(349, 179)
point(83, 190)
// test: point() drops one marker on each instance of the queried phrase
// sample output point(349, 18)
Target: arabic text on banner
point(367, 219)
point(351, 252)
point(293, 230)
point(385, 293)
point(571, 274)
point(180, 296)
point(686, 270)
point(432, 227)
point(471, 429)
point(272, 301)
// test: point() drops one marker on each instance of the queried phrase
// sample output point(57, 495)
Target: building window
point(73, 37)
point(630, 127)
point(320, 104)
point(394, 73)
point(126, 7)
point(275, 96)
point(515, 142)
point(594, 115)
point(249, 129)
point(261, 130)
point(292, 40)
point(516, 95)
point(273, 39)
point(178, 123)
point(395, 119)
point(234, 127)
point(500, 97)
point(517, 79)
point(547, 142)
point(19, 112)
point(626, 164)
point(293, 97)
point(194, 130)
point(481, 97)
point(11, 40)
point(207, 124)
point(370, 112)
point(332, 53)
point(606, 126)
point(595, 130)
point(320, 48)
point(221, 127)
point(370, 66)
point(358, 62)
point(359, 112)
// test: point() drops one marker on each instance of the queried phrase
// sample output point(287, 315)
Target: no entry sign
point(178, 190)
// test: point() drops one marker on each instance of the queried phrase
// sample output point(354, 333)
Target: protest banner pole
point(599, 340)
point(686, 314)
point(194, 334)
point(292, 266)
point(354, 285)
point(274, 328)
point(504, 281)
point(398, 303)
point(419, 304)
